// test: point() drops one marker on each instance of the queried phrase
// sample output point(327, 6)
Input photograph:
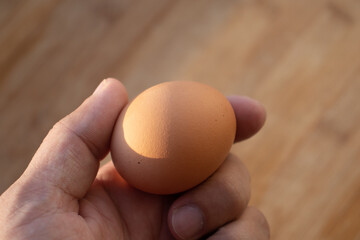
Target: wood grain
point(299, 58)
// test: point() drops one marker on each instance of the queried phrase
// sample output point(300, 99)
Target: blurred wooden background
point(300, 58)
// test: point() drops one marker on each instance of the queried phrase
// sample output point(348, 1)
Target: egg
point(173, 136)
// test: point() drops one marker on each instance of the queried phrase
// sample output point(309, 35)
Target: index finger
point(250, 116)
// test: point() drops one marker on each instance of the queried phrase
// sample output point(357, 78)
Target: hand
point(64, 195)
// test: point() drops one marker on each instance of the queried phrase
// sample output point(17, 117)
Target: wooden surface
point(300, 58)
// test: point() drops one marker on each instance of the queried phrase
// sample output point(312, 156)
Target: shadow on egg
point(173, 136)
point(179, 169)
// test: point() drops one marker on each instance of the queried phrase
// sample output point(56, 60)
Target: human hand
point(64, 195)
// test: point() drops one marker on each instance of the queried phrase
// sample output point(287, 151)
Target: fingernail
point(187, 221)
point(100, 87)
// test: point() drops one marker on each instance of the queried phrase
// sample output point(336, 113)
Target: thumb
point(68, 158)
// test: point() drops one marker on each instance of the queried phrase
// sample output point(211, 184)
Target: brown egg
point(173, 136)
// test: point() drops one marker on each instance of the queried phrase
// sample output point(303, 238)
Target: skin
point(64, 195)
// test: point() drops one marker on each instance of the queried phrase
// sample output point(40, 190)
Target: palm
point(113, 210)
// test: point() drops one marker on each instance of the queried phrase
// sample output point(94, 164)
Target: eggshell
point(173, 136)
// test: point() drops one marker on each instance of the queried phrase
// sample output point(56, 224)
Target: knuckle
point(241, 197)
point(237, 184)
point(238, 166)
point(262, 222)
point(82, 138)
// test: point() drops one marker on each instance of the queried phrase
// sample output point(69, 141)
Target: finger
point(250, 116)
point(251, 225)
point(68, 158)
point(218, 200)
